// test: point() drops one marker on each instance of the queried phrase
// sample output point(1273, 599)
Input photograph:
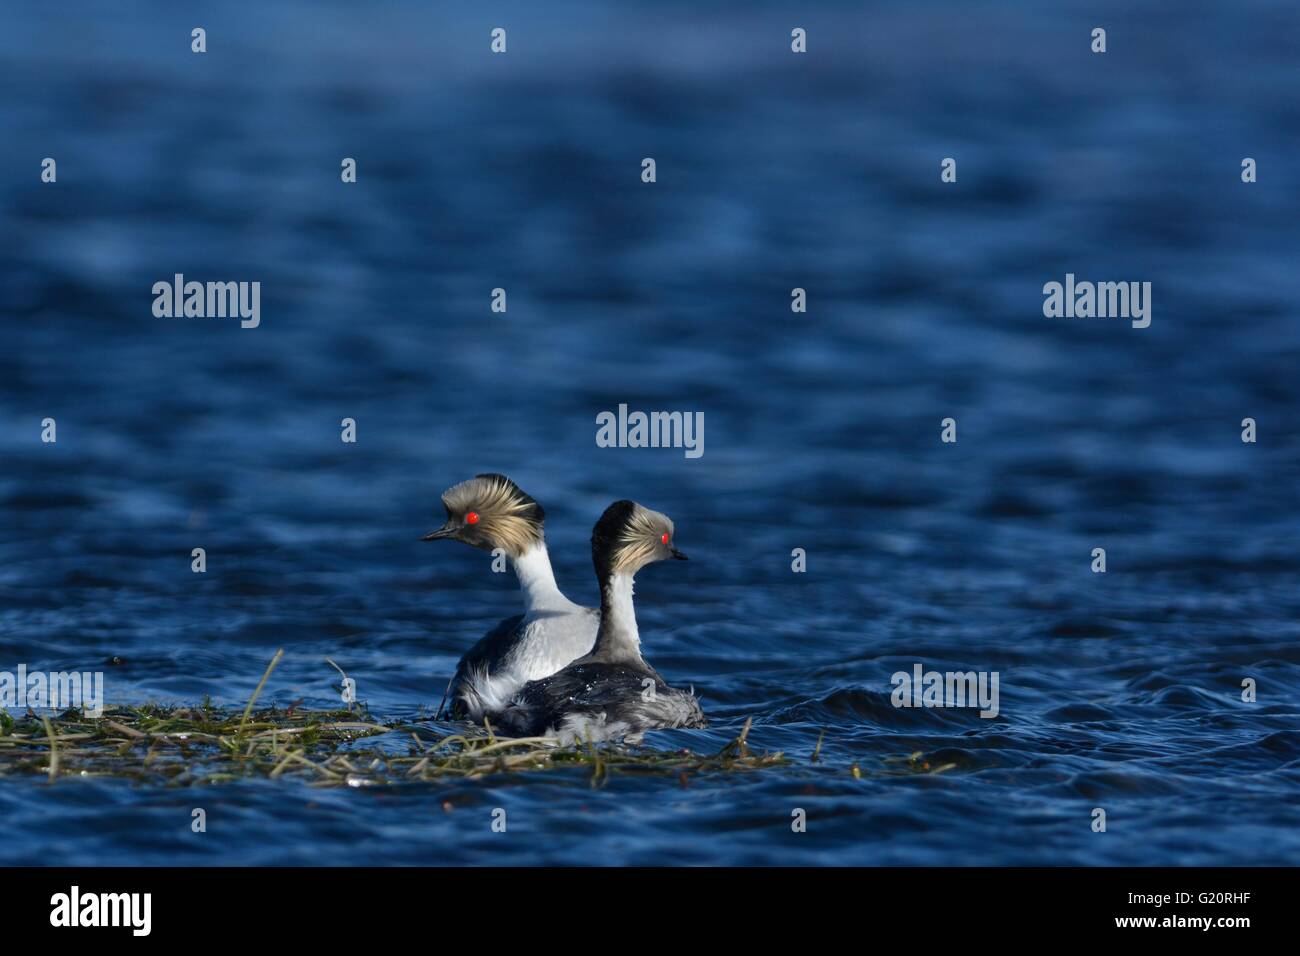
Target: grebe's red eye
point(472, 518)
point(664, 539)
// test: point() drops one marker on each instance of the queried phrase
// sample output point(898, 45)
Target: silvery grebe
point(488, 512)
point(612, 692)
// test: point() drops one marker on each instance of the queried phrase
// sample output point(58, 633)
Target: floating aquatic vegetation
point(204, 744)
point(182, 746)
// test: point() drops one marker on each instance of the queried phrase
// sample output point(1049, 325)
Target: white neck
point(618, 639)
point(537, 580)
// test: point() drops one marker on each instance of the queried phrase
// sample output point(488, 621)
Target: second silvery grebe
point(612, 692)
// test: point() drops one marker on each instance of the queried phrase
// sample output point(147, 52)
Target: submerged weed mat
point(179, 746)
point(187, 746)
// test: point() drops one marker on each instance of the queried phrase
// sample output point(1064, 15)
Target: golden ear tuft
point(503, 515)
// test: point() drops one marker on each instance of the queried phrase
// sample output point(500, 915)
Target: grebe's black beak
point(679, 556)
point(446, 531)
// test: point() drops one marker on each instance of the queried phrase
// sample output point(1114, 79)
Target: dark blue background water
point(822, 430)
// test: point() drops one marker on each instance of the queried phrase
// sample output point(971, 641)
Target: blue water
point(1119, 690)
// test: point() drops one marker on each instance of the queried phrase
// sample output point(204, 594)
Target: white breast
point(547, 641)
